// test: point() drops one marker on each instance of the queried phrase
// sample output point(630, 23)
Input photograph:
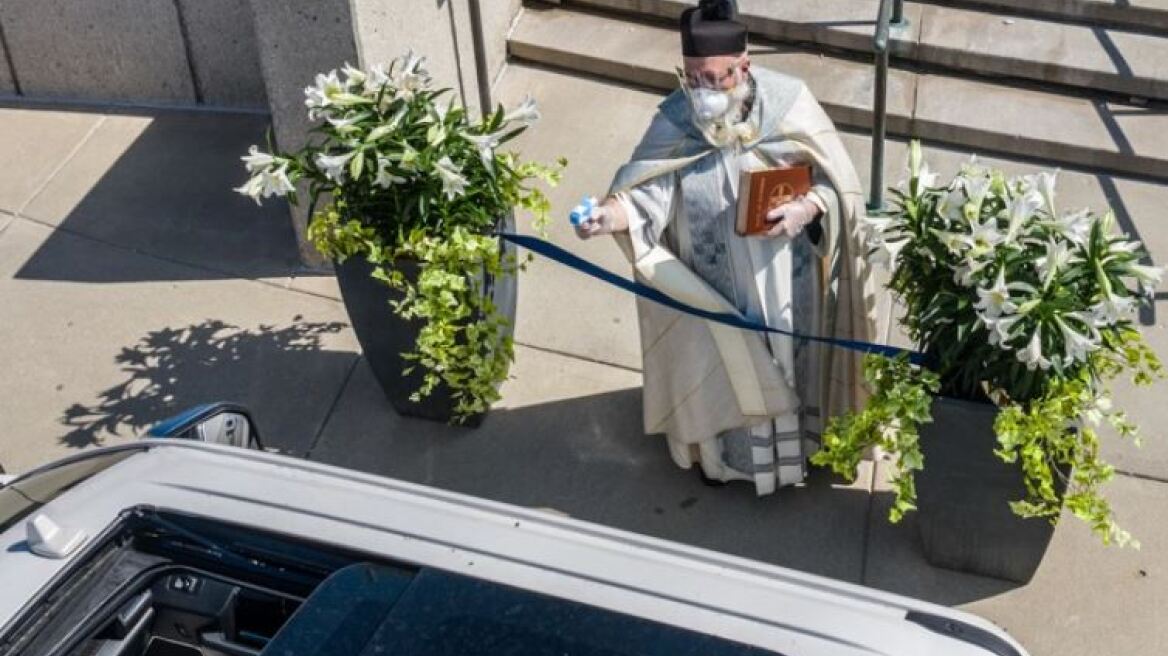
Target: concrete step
point(990, 43)
point(1140, 15)
point(1073, 131)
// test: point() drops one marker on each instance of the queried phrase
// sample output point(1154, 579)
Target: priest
point(738, 404)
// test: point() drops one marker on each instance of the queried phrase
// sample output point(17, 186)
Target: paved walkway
point(134, 283)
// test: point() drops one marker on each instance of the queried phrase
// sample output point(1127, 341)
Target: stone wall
point(181, 52)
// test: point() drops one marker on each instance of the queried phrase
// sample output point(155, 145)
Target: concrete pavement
point(134, 283)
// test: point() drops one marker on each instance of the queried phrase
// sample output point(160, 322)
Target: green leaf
point(356, 164)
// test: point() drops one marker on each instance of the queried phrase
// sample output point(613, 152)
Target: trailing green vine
point(902, 396)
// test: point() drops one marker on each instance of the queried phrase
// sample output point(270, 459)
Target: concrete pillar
point(7, 79)
point(297, 39)
point(220, 42)
point(300, 38)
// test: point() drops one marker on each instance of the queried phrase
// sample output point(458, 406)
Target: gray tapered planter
point(384, 336)
point(963, 496)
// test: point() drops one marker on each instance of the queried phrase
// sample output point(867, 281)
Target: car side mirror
point(215, 423)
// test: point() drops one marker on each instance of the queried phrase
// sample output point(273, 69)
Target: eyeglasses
point(708, 79)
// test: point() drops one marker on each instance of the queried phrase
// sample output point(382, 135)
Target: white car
point(202, 547)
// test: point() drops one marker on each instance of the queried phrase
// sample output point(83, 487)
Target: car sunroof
point(366, 609)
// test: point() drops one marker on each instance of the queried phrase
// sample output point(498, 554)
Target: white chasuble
point(744, 405)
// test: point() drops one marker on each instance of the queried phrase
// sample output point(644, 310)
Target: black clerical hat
point(711, 29)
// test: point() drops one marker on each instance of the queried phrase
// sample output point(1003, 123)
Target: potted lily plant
point(415, 190)
point(1025, 314)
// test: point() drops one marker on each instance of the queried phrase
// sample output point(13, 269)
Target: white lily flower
point(965, 274)
point(985, 236)
point(486, 144)
point(407, 159)
point(1077, 345)
point(440, 112)
point(267, 182)
point(1001, 329)
point(354, 78)
point(972, 169)
point(955, 242)
point(1148, 276)
point(952, 206)
point(995, 301)
point(1032, 355)
point(926, 179)
point(1045, 184)
point(1124, 245)
point(887, 252)
point(323, 93)
point(257, 161)
point(1112, 309)
point(976, 190)
point(253, 188)
point(453, 183)
point(913, 158)
point(1075, 226)
point(385, 179)
point(276, 182)
point(412, 63)
point(375, 78)
point(1020, 209)
point(918, 169)
point(1058, 255)
point(526, 112)
point(411, 78)
point(333, 166)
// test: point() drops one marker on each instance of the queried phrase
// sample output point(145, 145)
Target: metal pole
point(898, 12)
point(879, 115)
point(480, 55)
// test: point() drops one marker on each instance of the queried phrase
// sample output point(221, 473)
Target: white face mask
point(710, 104)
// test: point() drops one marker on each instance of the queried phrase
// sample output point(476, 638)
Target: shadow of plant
point(172, 369)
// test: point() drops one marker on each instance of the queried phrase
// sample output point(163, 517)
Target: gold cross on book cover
point(763, 190)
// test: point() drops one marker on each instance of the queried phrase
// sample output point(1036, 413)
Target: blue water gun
point(582, 213)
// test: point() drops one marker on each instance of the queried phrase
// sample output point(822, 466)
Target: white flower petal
point(453, 183)
point(526, 112)
point(253, 188)
point(256, 161)
point(333, 166)
point(1032, 355)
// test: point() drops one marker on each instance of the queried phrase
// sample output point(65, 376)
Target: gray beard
point(718, 130)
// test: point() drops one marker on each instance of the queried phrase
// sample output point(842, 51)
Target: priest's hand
point(792, 217)
point(607, 218)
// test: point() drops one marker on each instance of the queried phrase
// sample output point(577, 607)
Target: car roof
point(739, 599)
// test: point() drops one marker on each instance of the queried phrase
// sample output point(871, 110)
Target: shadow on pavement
point(161, 184)
point(587, 457)
point(896, 563)
point(268, 369)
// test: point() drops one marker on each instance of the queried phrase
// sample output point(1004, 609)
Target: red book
point(762, 190)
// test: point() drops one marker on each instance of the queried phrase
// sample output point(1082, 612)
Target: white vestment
point(745, 405)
